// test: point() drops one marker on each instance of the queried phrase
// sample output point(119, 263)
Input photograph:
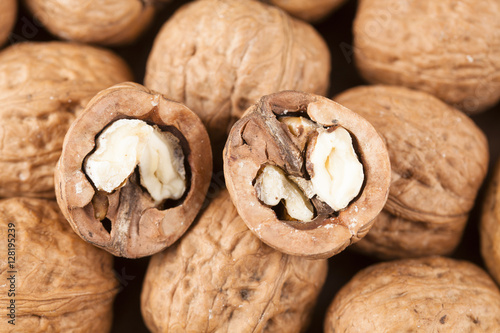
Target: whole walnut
point(220, 278)
point(8, 15)
point(43, 86)
point(106, 22)
point(490, 226)
point(433, 294)
point(439, 159)
point(220, 56)
point(52, 280)
point(450, 49)
point(311, 10)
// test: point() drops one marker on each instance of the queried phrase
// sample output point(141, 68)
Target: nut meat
point(137, 163)
point(307, 175)
point(311, 10)
point(220, 67)
point(448, 48)
point(221, 278)
point(439, 158)
point(61, 283)
point(43, 86)
point(431, 294)
point(8, 15)
point(106, 22)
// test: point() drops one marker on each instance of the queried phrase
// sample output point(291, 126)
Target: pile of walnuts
point(243, 166)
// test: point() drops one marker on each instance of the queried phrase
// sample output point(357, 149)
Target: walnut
point(53, 281)
point(106, 22)
point(326, 168)
point(220, 67)
point(134, 171)
point(311, 10)
point(439, 158)
point(490, 226)
point(8, 15)
point(450, 49)
point(431, 294)
point(221, 278)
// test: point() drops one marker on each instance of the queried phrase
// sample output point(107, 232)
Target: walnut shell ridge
point(433, 294)
point(62, 284)
point(221, 278)
point(447, 48)
point(43, 86)
point(439, 159)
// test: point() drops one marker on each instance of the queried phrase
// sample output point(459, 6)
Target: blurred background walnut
point(221, 278)
point(60, 283)
point(43, 86)
point(8, 16)
point(308, 10)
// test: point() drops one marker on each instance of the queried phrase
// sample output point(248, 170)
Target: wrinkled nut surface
point(137, 163)
point(8, 15)
point(490, 226)
point(317, 158)
point(43, 86)
point(220, 67)
point(439, 159)
point(221, 278)
point(105, 22)
point(61, 283)
point(433, 294)
point(447, 48)
point(311, 10)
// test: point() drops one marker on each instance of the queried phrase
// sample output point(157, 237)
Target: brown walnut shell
point(311, 10)
point(8, 15)
point(439, 159)
point(221, 278)
point(138, 226)
point(259, 138)
point(219, 60)
point(490, 227)
point(105, 22)
point(42, 87)
point(447, 48)
point(432, 294)
point(61, 283)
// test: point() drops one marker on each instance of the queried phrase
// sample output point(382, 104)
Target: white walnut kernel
point(298, 125)
point(337, 175)
point(128, 143)
point(272, 186)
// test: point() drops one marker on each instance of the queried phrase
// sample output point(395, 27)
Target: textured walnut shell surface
point(447, 48)
point(8, 15)
point(311, 10)
point(42, 87)
point(221, 278)
point(218, 60)
point(138, 227)
point(62, 283)
point(439, 159)
point(106, 22)
point(431, 294)
point(259, 138)
point(490, 227)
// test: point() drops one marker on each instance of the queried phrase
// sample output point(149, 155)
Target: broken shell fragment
point(137, 164)
point(307, 175)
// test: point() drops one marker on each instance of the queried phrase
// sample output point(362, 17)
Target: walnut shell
point(311, 10)
point(220, 278)
point(259, 138)
point(220, 67)
point(417, 295)
point(8, 15)
point(490, 226)
point(61, 284)
point(447, 48)
point(105, 22)
point(42, 87)
point(439, 159)
point(139, 227)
